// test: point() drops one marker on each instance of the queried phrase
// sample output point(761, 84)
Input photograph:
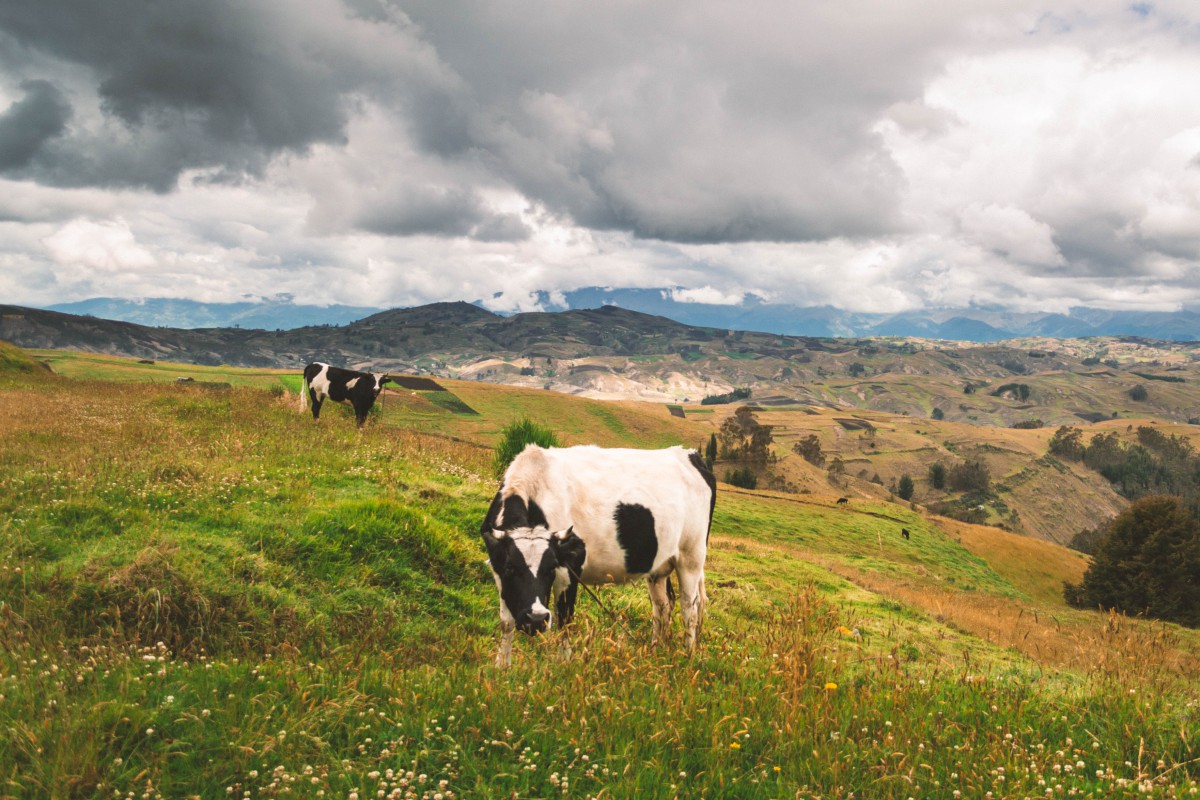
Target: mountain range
point(615, 353)
point(974, 324)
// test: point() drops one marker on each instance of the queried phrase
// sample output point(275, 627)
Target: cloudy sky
point(876, 156)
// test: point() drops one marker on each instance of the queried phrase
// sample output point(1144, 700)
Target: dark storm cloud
point(625, 117)
point(218, 60)
point(689, 123)
point(204, 83)
point(429, 210)
point(28, 123)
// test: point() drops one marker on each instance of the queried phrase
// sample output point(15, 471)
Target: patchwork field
point(205, 593)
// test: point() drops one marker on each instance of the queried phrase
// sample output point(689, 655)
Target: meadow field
point(203, 593)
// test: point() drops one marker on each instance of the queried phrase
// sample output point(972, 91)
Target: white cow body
point(638, 513)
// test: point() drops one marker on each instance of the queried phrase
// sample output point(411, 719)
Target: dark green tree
point(938, 414)
point(744, 438)
point(904, 489)
point(1148, 562)
point(710, 452)
point(1067, 442)
point(1138, 393)
point(937, 475)
point(809, 448)
point(743, 477)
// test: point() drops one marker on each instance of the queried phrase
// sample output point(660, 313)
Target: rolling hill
point(203, 592)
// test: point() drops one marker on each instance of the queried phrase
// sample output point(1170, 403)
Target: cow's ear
point(569, 549)
point(492, 538)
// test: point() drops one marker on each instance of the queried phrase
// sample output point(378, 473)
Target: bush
point(938, 414)
point(513, 439)
point(904, 489)
point(1138, 393)
point(970, 476)
point(743, 478)
point(937, 475)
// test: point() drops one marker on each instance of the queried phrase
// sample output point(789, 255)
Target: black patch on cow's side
point(635, 534)
point(711, 480)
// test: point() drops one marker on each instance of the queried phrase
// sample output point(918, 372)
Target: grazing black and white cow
point(358, 389)
point(565, 515)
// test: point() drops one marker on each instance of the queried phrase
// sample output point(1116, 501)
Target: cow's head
point(526, 562)
point(380, 380)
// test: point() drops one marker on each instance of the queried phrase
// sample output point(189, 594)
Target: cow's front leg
point(504, 657)
point(565, 593)
point(508, 629)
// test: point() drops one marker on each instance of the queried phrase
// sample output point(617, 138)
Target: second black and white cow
point(566, 515)
point(358, 389)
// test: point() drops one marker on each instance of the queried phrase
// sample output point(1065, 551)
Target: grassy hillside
point(1041, 497)
point(203, 593)
point(614, 353)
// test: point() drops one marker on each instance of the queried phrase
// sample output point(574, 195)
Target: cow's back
point(591, 487)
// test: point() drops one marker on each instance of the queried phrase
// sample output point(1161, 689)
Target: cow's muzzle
point(534, 622)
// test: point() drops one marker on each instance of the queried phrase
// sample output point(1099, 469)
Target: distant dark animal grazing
point(358, 389)
point(904, 533)
point(841, 500)
point(592, 515)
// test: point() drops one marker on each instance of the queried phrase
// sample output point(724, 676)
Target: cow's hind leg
point(316, 403)
point(661, 600)
point(691, 601)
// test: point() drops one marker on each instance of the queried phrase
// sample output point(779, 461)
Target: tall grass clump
point(515, 436)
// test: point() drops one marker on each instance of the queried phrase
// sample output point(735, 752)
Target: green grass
point(208, 594)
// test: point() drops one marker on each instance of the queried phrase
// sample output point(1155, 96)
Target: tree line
point(1146, 560)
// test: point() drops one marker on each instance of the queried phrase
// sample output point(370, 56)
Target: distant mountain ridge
point(977, 324)
point(276, 313)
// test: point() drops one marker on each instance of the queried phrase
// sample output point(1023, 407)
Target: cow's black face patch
point(635, 534)
point(526, 563)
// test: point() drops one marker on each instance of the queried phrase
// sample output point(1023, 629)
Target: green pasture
point(206, 594)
